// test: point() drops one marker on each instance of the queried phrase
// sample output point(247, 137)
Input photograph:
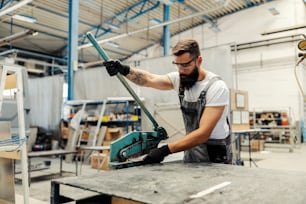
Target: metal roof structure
point(123, 27)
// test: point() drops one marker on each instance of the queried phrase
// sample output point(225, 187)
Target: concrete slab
point(19, 200)
point(175, 182)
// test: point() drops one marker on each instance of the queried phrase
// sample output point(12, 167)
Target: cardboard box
point(257, 145)
point(113, 133)
point(100, 161)
point(65, 133)
point(85, 135)
point(65, 126)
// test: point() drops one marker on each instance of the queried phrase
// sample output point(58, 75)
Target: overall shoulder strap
point(202, 97)
point(210, 82)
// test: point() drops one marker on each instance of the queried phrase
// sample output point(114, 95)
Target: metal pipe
point(72, 45)
point(13, 8)
point(17, 36)
point(31, 53)
point(267, 42)
point(166, 30)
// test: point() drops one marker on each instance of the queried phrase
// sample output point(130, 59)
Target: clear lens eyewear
point(185, 65)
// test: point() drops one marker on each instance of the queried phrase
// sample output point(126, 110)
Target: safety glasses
point(185, 65)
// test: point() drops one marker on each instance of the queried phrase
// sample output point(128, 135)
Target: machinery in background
point(302, 55)
point(302, 47)
point(127, 151)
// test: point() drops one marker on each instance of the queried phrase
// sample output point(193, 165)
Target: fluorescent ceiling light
point(113, 44)
point(25, 18)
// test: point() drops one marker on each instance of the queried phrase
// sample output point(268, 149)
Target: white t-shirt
point(217, 95)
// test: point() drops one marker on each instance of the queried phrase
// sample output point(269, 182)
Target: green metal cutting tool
point(127, 150)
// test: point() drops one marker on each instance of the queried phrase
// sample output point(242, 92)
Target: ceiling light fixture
point(24, 18)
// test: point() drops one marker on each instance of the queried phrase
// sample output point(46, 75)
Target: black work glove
point(157, 155)
point(115, 66)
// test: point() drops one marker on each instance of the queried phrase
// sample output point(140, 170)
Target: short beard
point(187, 81)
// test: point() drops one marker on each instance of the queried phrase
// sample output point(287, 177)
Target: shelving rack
point(99, 120)
point(127, 101)
point(279, 132)
point(11, 147)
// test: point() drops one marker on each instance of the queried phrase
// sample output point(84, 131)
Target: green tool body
point(125, 150)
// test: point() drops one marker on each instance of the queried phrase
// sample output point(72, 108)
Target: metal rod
point(121, 78)
point(2, 86)
point(22, 133)
point(14, 7)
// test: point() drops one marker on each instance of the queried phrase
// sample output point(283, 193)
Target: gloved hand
point(157, 155)
point(115, 66)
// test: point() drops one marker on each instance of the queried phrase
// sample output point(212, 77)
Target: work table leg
point(55, 189)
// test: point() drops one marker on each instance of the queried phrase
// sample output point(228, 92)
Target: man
point(204, 100)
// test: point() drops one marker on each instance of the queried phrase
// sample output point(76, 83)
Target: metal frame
point(21, 125)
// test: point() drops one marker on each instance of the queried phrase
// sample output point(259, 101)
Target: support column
point(72, 45)
point(166, 30)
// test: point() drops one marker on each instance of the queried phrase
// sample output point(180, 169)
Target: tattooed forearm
point(137, 77)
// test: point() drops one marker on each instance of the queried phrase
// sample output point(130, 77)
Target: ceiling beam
point(201, 13)
point(5, 3)
point(14, 7)
point(213, 23)
point(137, 10)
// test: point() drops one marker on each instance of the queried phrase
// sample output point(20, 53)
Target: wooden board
point(11, 155)
point(10, 82)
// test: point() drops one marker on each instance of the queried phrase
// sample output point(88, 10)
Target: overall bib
point(214, 150)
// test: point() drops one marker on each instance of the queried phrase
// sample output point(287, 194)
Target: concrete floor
point(272, 158)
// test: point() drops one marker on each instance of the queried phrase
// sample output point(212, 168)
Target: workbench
point(250, 134)
point(176, 182)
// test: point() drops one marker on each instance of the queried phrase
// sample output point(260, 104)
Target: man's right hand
point(115, 66)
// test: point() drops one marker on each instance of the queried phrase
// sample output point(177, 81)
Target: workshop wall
point(266, 72)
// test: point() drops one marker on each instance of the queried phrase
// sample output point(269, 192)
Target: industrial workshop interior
point(152, 101)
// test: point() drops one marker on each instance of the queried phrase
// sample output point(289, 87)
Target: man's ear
point(199, 60)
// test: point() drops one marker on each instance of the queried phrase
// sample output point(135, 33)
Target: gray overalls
point(214, 150)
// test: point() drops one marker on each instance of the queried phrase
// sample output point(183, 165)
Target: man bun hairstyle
point(186, 45)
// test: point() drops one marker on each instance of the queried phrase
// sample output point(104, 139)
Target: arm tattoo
point(137, 77)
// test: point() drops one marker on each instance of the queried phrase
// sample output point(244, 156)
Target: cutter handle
point(121, 78)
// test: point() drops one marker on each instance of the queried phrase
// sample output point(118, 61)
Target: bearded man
point(204, 100)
